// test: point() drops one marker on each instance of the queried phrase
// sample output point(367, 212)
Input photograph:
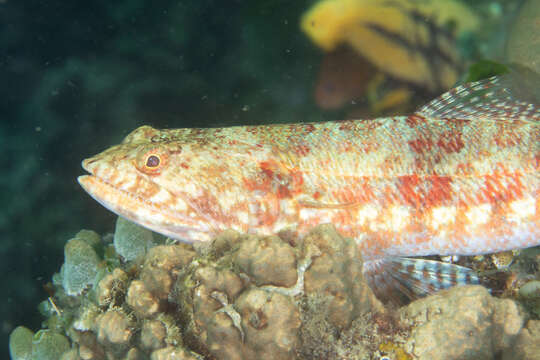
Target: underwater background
point(79, 76)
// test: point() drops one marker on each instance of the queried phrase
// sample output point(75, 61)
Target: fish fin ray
point(398, 279)
point(512, 96)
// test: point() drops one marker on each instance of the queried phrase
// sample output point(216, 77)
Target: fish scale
point(460, 176)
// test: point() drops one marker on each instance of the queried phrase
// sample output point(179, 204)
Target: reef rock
point(464, 322)
point(240, 297)
point(527, 345)
point(246, 303)
point(255, 297)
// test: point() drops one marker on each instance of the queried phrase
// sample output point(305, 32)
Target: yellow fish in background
point(407, 39)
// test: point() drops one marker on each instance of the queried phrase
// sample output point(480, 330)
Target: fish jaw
point(142, 201)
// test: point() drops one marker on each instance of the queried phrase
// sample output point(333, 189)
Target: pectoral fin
point(398, 279)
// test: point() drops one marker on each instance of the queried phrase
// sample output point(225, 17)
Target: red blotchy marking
point(346, 146)
point(197, 131)
point(267, 214)
point(346, 125)
point(493, 190)
point(208, 205)
point(421, 146)
point(450, 142)
point(297, 180)
point(370, 125)
point(366, 147)
point(409, 187)
point(440, 192)
point(266, 168)
point(261, 183)
point(345, 195)
point(250, 184)
point(515, 187)
point(467, 199)
point(366, 191)
point(303, 150)
point(360, 193)
point(308, 128)
point(184, 165)
point(414, 120)
point(342, 217)
point(495, 186)
point(271, 180)
point(465, 169)
point(283, 191)
point(507, 138)
point(252, 129)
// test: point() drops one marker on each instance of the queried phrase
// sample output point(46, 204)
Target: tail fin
point(398, 279)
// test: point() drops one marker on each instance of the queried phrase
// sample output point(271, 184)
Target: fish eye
point(152, 161)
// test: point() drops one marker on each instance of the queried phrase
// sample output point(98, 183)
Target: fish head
point(158, 179)
point(327, 23)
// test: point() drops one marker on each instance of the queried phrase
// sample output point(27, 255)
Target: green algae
point(131, 240)
point(484, 69)
point(80, 267)
point(20, 343)
point(49, 345)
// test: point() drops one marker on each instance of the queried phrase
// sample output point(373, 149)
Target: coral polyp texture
point(253, 297)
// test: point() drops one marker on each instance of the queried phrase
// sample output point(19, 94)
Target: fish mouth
point(143, 212)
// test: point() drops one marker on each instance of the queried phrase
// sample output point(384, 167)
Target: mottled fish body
point(460, 176)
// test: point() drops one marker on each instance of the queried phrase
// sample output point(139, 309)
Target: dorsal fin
point(513, 96)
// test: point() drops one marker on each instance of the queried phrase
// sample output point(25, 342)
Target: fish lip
point(86, 182)
point(90, 182)
point(86, 165)
point(81, 179)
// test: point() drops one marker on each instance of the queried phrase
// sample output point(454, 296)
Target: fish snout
point(89, 164)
